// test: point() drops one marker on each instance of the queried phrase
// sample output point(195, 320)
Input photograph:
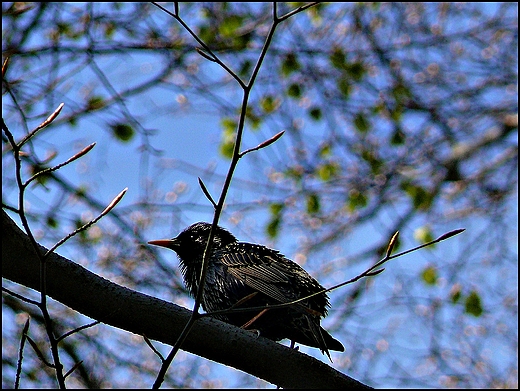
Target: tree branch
point(117, 306)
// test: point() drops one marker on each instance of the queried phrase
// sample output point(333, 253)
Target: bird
point(246, 275)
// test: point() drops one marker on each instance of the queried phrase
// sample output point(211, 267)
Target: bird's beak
point(168, 243)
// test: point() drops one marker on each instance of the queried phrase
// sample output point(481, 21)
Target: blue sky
point(192, 135)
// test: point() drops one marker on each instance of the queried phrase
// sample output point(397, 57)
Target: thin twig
point(234, 160)
point(73, 368)
point(39, 353)
point(16, 147)
point(78, 329)
point(20, 297)
point(294, 12)
point(5, 65)
point(149, 343)
point(208, 51)
point(84, 151)
point(264, 144)
point(110, 206)
point(20, 353)
point(370, 272)
point(45, 123)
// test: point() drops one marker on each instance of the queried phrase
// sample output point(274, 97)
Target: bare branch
point(73, 368)
point(51, 118)
point(370, 272)
point(20, 353)
point(38, 352)
point(84, 151)
point(149, 343)
point(294, 12)
point(20, 297)
point(114, 202)
point(439, 239)
point(77, 330)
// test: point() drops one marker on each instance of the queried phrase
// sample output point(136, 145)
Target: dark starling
point(245, 275)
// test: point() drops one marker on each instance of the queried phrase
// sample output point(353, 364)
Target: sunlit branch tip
point(450, 234)
point(263, 144)
point(5, 66)
point(110, 206)
point(392, 243)
point(45, 123)
point(84, 151)
point(114, 202)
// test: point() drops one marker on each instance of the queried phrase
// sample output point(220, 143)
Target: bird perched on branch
point(244, 275)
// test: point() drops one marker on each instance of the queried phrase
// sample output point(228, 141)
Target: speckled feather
point(238, 269)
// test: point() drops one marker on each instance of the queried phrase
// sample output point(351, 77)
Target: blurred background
point(396, 117)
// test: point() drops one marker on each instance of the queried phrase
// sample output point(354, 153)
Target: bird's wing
point(262, 269)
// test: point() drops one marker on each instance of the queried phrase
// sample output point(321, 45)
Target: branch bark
point(117, 306)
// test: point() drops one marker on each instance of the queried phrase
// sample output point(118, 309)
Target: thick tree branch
point(114, 305)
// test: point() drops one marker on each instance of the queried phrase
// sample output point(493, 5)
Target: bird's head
point(191, 242)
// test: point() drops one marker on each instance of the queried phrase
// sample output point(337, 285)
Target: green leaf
point(253, 118)
point(227, 143)
point(95, 103)
point(276, 208)
point(401, 93)
point(373, 160)
point(226, 149)
point(73, 121)
point(122, 132)
point(52, 222)
point(245, 68)
point(356, 71)
point(82, 235)
point(423, 235)
point(421, 198)
point(290, 64)
point(230, 25)
point(315, 113)
point(361, 123)
point(429, 275)
point(43, 178)
point(273, 227)
point(455, 293)
point(325, 150)
point(337, 58)
point(356, 200)
point(110, 29)
point(327, 171)
point(294, 91)
point(64, 28)
point(229, 125)
point(269, 104)
point(344, 86)
point(207, 34)
point(313, 203)
point(473, 304)
point(295, 173)
point(398, 137)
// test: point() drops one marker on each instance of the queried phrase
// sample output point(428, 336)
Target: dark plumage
point(258, 276)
